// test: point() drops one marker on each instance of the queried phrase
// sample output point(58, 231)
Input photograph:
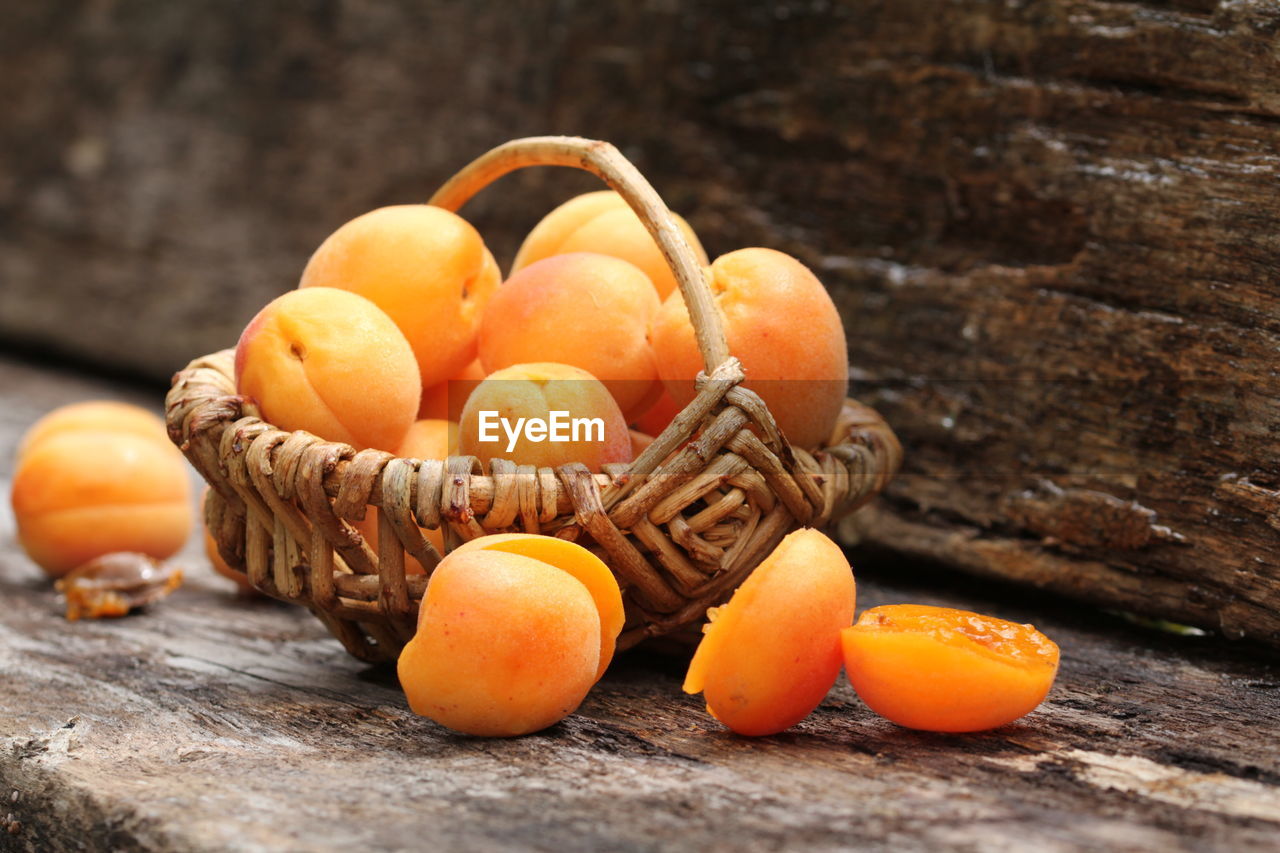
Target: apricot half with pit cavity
point(945, 670)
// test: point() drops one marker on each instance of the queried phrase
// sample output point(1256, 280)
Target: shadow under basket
point(681, 526)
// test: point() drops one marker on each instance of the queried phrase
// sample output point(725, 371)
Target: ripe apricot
point(588, 310)
point(444, 400)
point(603, 222)
point(426, 267)
point(771, 654)
point(945, 670)
point(782, 325)
point(658, 416)
point(80, 494)
point(577, 561)
point(506, 645)
point(100, 415)
point(426, 439)
point(511, 416)
point(330, 362)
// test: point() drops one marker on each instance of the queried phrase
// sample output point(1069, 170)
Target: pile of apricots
point(402, 335)
point(401, 316)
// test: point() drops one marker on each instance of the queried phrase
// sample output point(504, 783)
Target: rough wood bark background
point(1051, 226)
point(214, 724)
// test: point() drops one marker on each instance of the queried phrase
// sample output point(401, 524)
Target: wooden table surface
point(211, 723)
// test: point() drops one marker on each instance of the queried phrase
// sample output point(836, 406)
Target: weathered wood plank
point(216, 724)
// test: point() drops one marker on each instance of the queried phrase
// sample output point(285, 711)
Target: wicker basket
point(680, 526)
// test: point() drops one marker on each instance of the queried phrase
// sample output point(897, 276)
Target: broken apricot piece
point(506, 645)
point(772, 653)
point(578, 562)
point(945, 670)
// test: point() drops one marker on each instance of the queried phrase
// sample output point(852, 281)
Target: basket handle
point(607, 163)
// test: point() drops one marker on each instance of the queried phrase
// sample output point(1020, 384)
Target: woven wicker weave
point(680, 526)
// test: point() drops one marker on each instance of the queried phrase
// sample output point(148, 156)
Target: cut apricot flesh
point(772, 653)
point(945, 670)
point(578, 562)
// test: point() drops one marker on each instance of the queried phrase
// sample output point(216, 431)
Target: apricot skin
point(578, 562)
point(330, 362)
point(80, 494)
point(98, 415)
point(506, 645)
point(771, 655)
point(658, 416)
point(588, 310)
point(782, 325)
point(603, 222)
point(534, 391)
point(944, 670)
point(444, 400)
point(426, 267)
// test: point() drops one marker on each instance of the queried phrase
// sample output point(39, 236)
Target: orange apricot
point(782, 325)
point(603, 222)
point(577, 561)
point(426, 267)
point(426, 439)
point(588, 310)
point(330, 362)
point(770, 656)
point(444, 400)
point(658, 416)
point(544, 414)
point(945, 670)
point(97, 415)
point(506, 645)
point(81, 494)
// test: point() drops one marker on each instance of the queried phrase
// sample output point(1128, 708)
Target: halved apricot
point(772, 653)
point(577, 561)
point(945, 670)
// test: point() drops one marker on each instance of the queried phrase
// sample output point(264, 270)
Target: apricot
point(945, 670)
point(426, 267)
point(771, 655)
point(81, 494)
point(658, 416)
point(444, 400)
point(544, 414)
point(577, 561)
point(506, 645)
point(330, 362)
point(603, 222)
point(98, 415)
point(588, 310)
point(426, 439)
point(782, 325)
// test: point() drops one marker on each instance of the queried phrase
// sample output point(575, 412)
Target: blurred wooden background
point(1051, 226)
